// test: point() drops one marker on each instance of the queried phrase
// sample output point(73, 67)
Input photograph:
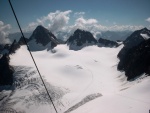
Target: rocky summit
point(80, 39)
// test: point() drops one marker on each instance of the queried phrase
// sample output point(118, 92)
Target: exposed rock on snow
point(135, 54)
point(6, 71)
point(83, 101)
point(136, 61)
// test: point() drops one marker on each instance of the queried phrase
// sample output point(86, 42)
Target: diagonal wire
point(32, 55)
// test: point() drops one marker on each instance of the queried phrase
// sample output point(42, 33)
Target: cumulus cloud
point(59, 20)
point(148, 19)
point(4, 30)
point(55, 21)
point(84, 21)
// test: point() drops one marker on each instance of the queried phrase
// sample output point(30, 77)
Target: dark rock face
point(136, 38)
point(80, 39)
point(107, 43)
point(133, 40)
point(1, 47)
point(10, 48)
point(43, 36)
point(22, 41)
point(6, 71)
point(7, 46)
point(134, 60)
point(14, 46)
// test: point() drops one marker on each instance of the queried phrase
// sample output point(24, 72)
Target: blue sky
point(106, 12)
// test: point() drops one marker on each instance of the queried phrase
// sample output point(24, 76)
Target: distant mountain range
point(42, 38)
point(16, 36)
point(114, 35)
point(63, 36)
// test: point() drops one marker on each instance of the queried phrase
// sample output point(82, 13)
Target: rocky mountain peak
point(42, 35)
point(80, 39)
point(137, 37)
point(42, 39)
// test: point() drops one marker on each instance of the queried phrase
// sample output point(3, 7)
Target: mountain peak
point(40, 27)
point(144, 29)
point(137, 37)
point(42, 35)
point(80, 39)
point(41, 39)
point(81, 31)
point(78, 30)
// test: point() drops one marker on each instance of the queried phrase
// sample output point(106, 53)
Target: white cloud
point(85, 24)
point(148, 19)
point(55, 21)
point(83, 21)
point(93, 26)
point(31, 26)
point(4, 30)
point(79, 14)
point(1, 23)
point(60, 20)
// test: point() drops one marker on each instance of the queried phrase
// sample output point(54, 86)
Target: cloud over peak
point(59, 20)
point(58, 23)
point(55, 20)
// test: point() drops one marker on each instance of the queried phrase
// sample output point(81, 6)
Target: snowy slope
point(84, 81)
point(145, 36)
point(133, 100)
